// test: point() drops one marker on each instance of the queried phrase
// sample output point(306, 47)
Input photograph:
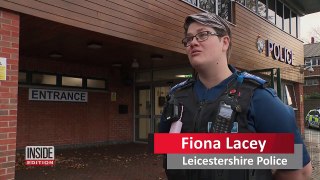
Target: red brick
point(11, 170)
point(9, 50)
point(4, 89)
point(10, 39)
point(5, 21)
point(3, 159)
point(15, 56)
point(3, 148)
point(5, 44)
point(10, 15)
point(15, 23)
point(4, 95)
point(8, 84)
point(3, 135)
point(8, 129)
point(8, 106)
point(13, 101)
point(12, 135)
point(2, 171)
point(4, 100)
point(7, 177)
point(7, 164)
point(15, 45)
point(14, 67)
point(5, 55)
point(13, 73)
point(10, 28)
point(13, 123)
point(13, 61)
point(3, 112)
point(8, 118)
point(12, 147)
point(13, 78)
point(5, 32)
point(11, 158)
point(7, 153)
point(15, 34)
point(4, 124)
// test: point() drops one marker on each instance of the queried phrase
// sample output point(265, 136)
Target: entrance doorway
point(149, 106)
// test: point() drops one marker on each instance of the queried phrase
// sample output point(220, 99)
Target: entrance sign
point(57, 95)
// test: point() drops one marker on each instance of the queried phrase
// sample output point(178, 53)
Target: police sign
point(279, 53)
point(39, 156)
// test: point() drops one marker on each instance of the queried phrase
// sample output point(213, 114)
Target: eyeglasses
point(201, 36)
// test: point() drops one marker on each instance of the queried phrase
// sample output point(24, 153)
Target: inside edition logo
point(39, 156)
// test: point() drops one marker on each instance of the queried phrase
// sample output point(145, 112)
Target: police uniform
point(258, 109)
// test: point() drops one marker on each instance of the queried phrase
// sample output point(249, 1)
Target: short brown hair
point(212, 20)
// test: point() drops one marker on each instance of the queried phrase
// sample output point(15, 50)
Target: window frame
point(59, 80)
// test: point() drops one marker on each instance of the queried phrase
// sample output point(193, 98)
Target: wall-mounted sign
point(279, 53)
point(57, 95)
point(260, 44)
point(113, 96)
point(3, 68)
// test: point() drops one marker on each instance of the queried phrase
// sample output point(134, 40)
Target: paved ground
point(123, 162)
point(312, 139)
point(112, 162)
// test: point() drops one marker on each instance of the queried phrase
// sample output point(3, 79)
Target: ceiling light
point(55, 55)
point(94, 45)
point(116, 65)
point(135, 64)
point(156, 57)
point(184, 76)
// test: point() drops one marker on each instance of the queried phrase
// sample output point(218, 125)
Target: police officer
point(198, 102)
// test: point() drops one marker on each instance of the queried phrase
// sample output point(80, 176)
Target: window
point(193, 2)
point(311, 82)
point(95, 83)
point(308, 62)
point(290, 97)
point(223, 9)
point(241, 2)
point(71, 81)
point(294, 24)
point(298, 27)
point(272, 11)
point(219, 7)
point(46, 79)
point(251, 4)
point(279, 16)
point(208, 5)
point(316, 62)
point(286, 19)
point(262, 8)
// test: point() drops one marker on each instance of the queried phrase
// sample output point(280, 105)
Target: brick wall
point(298, 88)
point(68, 123)
point(311, 89)
point(9, 49)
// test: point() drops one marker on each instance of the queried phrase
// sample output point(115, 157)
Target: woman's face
point(206, 53)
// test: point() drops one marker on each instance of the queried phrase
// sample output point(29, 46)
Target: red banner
point(223, 143)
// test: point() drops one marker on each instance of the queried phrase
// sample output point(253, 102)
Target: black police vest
point(195, 118)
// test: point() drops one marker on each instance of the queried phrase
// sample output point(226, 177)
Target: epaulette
point(181, 85)
point(255, 79)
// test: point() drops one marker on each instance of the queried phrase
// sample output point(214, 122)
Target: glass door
point(159, 100)
point(142, 113)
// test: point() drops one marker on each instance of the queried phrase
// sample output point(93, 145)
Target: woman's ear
point(226, 43)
